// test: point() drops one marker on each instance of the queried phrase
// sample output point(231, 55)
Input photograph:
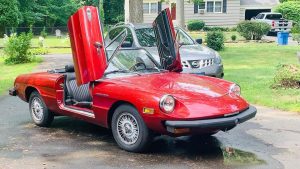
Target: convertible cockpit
point(73, 94)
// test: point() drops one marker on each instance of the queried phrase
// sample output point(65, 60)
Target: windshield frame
point(134, 73)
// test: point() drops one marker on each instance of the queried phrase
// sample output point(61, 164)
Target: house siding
point(149, 18)
point(234, 14)
point(229, 19)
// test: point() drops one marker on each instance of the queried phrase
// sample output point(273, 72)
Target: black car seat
point(76, 95)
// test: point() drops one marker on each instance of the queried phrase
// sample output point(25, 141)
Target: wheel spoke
point(127, 128)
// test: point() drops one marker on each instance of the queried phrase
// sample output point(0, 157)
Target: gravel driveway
point(271, 140)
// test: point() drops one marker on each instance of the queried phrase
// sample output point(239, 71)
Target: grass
point(10, 72)
point(252, 66)
point(49, 41)
point(227, 35)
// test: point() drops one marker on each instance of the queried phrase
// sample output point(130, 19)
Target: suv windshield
point(146, 37)
point(274, 16)
point(132, 61)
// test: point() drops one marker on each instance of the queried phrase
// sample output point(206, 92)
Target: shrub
point(195, 25)
point(16, 49)
point(233, 37)
point(290, 10)
point(44, 33)
point(38, 51)
point(216, 28)
point(215, 40)
point(253, 30)
point(287, 76)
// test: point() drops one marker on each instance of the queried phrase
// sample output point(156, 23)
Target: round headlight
point(167, 103)
point(235, 89)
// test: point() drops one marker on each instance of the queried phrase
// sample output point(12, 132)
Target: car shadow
point(195, 150)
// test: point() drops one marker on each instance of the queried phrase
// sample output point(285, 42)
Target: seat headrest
point(69, 68)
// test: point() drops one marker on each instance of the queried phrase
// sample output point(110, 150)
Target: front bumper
point(224, 123)
point(12, 92)
point(215, 70)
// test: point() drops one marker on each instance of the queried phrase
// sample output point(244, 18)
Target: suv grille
point(197, 64)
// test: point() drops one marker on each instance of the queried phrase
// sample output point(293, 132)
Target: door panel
point(166, 42)
point(87, 45)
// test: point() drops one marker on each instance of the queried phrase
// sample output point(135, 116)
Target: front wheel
point(39, 112)
point(129, 129)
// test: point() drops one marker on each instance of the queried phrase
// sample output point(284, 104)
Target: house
point(225, 13)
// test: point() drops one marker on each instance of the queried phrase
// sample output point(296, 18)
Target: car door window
point(112, 34)
point(183, 39)
point(115, 32)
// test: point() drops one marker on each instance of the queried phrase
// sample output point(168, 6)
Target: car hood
point(187, 52)
point(201, 96)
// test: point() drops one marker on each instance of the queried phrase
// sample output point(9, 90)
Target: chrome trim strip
point(83, 113)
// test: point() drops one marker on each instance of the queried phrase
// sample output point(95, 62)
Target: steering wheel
point(135, 66)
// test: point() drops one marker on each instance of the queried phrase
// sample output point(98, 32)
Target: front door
point(173, 11)
point(87, 44)
point(166, 42)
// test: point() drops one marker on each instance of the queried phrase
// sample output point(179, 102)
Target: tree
point(290, 10)
point(9, 14)
point(47, 12)
point(134, 12)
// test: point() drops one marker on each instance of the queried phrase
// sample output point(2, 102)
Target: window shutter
point(224, 6)
point(196, 6)
point(159, 6)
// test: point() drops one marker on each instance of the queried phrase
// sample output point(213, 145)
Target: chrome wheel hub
point(37, 109)
point(127, 128)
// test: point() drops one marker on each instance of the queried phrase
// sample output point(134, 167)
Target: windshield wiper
point(121, 71)
point(152, 68)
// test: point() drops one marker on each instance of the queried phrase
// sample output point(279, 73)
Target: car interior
point(74, 95)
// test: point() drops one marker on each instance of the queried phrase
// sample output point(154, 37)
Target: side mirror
point(199, 41)
point(126, 44)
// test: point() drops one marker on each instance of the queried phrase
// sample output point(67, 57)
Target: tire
point(129, 130)
point(39, 112)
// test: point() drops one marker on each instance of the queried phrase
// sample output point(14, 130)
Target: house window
point(150, 8)
point(214, 6)
point(146, 7)
point(201, 5)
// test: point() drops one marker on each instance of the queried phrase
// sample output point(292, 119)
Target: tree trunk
point(180, 13)
point(134, 11)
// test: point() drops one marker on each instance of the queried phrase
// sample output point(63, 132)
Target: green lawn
point(252, 65)
point(9, 73)
point(227, 35)
point(49, 41)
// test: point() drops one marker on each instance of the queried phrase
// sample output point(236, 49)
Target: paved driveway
point(271, 140)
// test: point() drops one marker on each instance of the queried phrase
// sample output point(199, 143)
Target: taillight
point(273, 23)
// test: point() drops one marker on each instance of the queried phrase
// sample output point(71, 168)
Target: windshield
point(274, 16)
point(146, 37)
point(132, 61)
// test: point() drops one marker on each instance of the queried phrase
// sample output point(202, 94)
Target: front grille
point(197, 64)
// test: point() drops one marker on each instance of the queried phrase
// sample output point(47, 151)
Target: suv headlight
point(235, 90)
point(218, 59)
point(167, 103)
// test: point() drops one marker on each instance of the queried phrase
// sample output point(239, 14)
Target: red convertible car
point(127, 91)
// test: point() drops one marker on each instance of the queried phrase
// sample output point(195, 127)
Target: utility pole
point(180, 13)
point(133, 11)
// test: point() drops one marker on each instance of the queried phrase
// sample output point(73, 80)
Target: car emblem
point(196, 64)
point(89, 14)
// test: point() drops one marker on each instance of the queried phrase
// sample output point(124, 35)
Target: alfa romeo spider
point(127, 91)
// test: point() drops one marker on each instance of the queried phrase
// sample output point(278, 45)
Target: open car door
point(166, 42)
point(88, 50)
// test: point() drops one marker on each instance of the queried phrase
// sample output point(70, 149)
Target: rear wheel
point(39, 112)
point(129, 129)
